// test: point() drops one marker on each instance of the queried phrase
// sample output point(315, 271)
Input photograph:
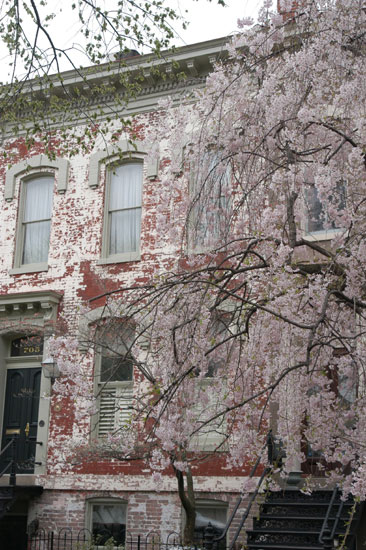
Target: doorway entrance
point(21, 417)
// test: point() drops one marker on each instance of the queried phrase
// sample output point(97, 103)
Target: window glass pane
point(115, 369)
point(126, 183)
point(36, 242)
point(315, 220)
point(218, 332)
point(125, 231)
point(116, 338)
point(317, 215)
point(109, 521)
point(210, 514)
point(38, 199)
point(211, 195)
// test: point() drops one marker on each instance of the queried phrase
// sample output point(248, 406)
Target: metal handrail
point(265, 472)
point(325, 526)
point(338, 517)
point(6, 446)
point(12, 463)
point(250, 503)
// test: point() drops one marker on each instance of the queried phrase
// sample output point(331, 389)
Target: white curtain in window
point(109, 514)
point(125, 208)
point(37, 219)
point(211, 190)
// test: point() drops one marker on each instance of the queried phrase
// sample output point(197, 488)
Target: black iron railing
point(66, 539)
point(12, 463)
point(212, 542)
point(327, 536)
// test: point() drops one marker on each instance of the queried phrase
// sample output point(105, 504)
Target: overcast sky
point(209, 20)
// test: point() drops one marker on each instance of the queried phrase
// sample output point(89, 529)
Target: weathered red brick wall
point(75, 248)
point(147, 512)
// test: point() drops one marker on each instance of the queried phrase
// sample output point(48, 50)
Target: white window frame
point(197, 244)
point(19, 266)
point(114, 401)
point(106, 257)
point(100, 161)
point(90, 503)
point(322, 234)
point(215, 438)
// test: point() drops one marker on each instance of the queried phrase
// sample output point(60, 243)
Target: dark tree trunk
point(187, 499)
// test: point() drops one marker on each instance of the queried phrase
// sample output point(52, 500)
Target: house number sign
point(25, 347)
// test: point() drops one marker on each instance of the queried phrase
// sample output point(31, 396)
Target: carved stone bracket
point(36, 309)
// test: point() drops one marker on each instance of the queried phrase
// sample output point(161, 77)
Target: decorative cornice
point(29, 301)
point(99, 90)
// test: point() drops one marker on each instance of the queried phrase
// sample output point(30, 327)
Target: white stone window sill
point(29, 268)
point(117, 383)
point(120, 258)
point(322, 235)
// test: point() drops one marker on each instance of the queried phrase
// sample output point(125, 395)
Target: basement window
point(107, 522)
point(213, 512)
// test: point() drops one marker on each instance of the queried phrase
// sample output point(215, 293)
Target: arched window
point(34, 220)
point(124, 168)
point(123, 215)
point(114, 374)
point(210, 192)
point(38, 177)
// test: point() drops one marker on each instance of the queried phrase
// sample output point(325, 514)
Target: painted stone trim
point(214, 484)
point(31, 302)
point(123, 147)
point(37, 161)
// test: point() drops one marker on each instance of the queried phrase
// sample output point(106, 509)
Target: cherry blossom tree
point(259, 320)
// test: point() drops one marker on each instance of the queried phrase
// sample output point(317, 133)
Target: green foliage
point(38, 99)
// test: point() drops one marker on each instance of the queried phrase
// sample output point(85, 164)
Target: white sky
point(208, 20)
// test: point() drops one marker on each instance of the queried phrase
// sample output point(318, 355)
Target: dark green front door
point(21, 417)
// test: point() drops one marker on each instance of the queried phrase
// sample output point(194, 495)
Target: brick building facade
point(57, 252)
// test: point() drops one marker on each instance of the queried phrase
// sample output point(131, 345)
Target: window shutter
point(152, 168)
point(107, 411)
point(123, 406)
point(114, 409)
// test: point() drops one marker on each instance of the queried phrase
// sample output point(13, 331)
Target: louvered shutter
point(107, 411)
point(114, 408)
